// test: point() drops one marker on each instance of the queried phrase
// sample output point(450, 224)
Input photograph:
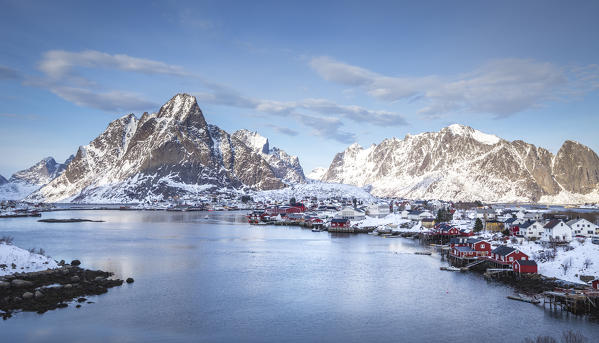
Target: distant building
point(557, 231)
point(583, 227)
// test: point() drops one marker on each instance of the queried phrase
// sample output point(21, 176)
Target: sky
point(312, 76)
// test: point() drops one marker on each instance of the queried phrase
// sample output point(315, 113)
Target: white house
point(582, 227)
point(351, 214)
point(419, 215)
point(531, 230)
point(557, 230)
point(378, 210)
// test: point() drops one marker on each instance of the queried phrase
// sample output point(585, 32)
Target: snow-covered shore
point(580, 256)
point(23, 260)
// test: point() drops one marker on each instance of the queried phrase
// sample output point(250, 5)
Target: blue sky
point(313, 77)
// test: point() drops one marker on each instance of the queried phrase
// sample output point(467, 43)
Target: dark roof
point(475, 240)
point(510, 220)
point(464, 249)
point(552, 223)
point(526, 262)
point(526, 224)
point(339, 220)
point(457, 240)
point(503, 250)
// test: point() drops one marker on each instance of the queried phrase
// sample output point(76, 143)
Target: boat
point(206, 217)
point(316, 230)
point(423, 253)
point(451, 269)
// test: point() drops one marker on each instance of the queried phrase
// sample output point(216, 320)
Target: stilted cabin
point(525, 267)
point(463, 252)
point(505, 256)
point(317, 223)
point(475, 247)
point(340, 225)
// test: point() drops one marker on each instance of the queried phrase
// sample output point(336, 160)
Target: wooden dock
point(577, 302)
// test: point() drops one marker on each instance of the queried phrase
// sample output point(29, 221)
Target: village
point(502, 241)
point(510, 242)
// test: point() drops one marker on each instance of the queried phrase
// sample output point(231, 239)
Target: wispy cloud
point(283, 130)
point(62, 77)
point(7, 73)
point(111, 101)
point(19, 116)
point(321, 115)
point(500, 87)
point(60, 64)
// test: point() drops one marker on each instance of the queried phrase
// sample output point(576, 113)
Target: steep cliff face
point(285, 166)
point(460, 163)
point(170, 153)
point(576, 168)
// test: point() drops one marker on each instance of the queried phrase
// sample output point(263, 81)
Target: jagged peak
point(180, 107)
point(572, 144)
point(253, 140)
point(467, 131)
point(355, 146)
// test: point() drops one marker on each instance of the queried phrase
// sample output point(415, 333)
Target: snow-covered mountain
point(285, 166)
point(317, 173)
point(460, 163)
point(26, 181)
point(170, 153)
point(3, 180)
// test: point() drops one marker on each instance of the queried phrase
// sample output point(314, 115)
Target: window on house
point(511, 259)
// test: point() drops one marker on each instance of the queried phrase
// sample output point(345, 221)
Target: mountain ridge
point(461, 163)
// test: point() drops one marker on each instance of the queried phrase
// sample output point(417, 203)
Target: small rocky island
point(53, 288)
point(71, 220)
point(32, 281)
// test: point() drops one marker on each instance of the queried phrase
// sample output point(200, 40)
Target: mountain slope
point(171, 153)
point(285, 166)
point(317, 173)
point(26, 181)
point(460, 163)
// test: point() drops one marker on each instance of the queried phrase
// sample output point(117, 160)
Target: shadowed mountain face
point(3, 180)
point(170, 153)
point(460, 163)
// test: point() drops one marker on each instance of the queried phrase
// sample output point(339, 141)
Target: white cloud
point(323, 116)
point(111, 101)
point(500, 87)
point(59, 63)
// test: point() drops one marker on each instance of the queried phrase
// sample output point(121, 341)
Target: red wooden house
point(482, 247)
point(339, 222)
point(463, 252)
point(595, 284)
point(525, 266)
point(504, 255)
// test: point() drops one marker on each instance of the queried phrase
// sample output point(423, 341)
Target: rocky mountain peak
point(3, 180)
point(40, 173)
point(253, 140)
point(183, 107)
point(467, 131)
point(576, 167)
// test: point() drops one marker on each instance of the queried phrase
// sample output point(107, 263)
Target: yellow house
point(494, 225)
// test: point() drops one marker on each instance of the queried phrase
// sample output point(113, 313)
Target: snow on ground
point(565, 197)
point(575, 258)
point(24, 260)
point(321, 190)
point(16, 190)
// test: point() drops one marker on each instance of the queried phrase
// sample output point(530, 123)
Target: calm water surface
point(220, 280)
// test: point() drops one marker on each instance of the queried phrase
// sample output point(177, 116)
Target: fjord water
point(221, 280)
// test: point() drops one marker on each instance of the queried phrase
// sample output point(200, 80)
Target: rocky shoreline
point(53, 288)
